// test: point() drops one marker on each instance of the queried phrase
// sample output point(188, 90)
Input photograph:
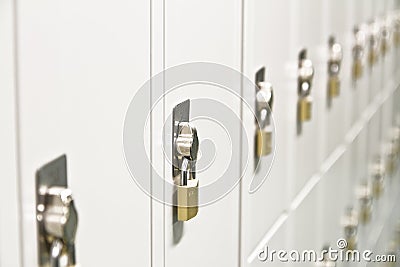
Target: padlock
point(357, 69)
point(396, 32)
point(365, 199)
point(334, 65)
point(263, 142)
point(358, 54)
point(385, 39)
point(264, 102)
point(373, 53)
point(372, 56)
point(187, 195)
point(350, 227)
point(186, 145)
point(334, 87)
point(305, 78)
point(390, 159)
point(378, 178)
point(305, 108)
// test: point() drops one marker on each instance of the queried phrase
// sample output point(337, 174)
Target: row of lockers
point(71, 68)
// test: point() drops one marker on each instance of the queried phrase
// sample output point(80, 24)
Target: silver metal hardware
point(374, 40)
point(365, 199)
point(350, 228)
point(56, 215)
point(378, 178)
point(385, 36)
point(186, 145)
point(334, 64)
point(304, 80)
point(264, 101)
point(358, 53)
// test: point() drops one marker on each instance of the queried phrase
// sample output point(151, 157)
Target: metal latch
point(185, 149)
point(385, 36)
point(350, 228)
point(365, 199)
point(304, 80)
point(334, 64)
point(264, 101)
point(358, 53)
point(373, 39)
point(396, 32)
point(56, 215)
point(378, 177)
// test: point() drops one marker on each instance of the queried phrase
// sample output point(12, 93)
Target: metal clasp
point(56, 215)
point(264, 100)
point(334, 65)
point(358, 53)
point(186, 145)
point(304, 81)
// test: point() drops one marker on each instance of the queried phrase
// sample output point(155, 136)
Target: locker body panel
point(261, 208)
point(10, 254)
point(195, 32)
point(77, 75)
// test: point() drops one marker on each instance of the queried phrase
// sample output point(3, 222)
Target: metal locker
point(10, 254)
point(265, 45)
point(307, 148)
point(76, 76)
point(199, 32)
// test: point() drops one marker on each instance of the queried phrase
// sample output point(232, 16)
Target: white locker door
point(310, 33)
point(266, 45)
point(206, 31)
point(9, 201)
point(80, 64)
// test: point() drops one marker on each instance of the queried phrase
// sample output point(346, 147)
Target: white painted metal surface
point(80, 63)
point(9, 216)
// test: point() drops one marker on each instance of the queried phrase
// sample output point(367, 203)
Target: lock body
point(357, 69)
point(365, 199)
point(184, 155)
point(358, 53)
point(334, 87)
point(188, 198)
point(263, 143)
point(264, 96)
point(305, 108)
point(304, 85)
point(350, 227)
point(334, 65)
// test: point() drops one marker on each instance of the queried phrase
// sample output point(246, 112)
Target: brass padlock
point(396, 32)
point(350, 228)
point(334, 65)
point(184, 155)
point(263, 143)
point(187, 198)
point(264, 102)
point(385, 38)
point(334, 87)
point(378, 178)
point(358, 54)
point(391, 158)
point(365, 199)
point(373, 43)
point(304, 81)
point(305, 108)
